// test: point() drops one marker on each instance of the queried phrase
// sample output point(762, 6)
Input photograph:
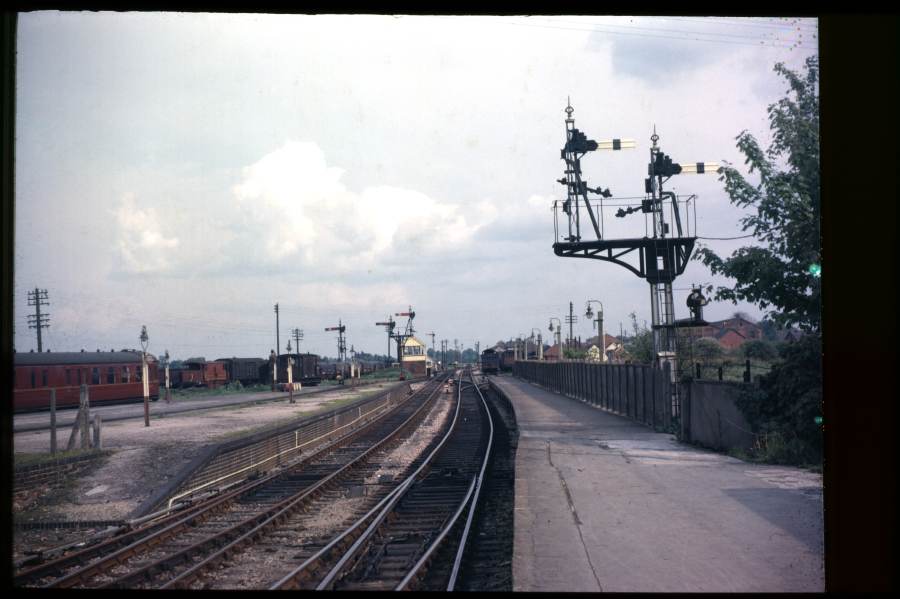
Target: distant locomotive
point(111, 377)
point(490, 361)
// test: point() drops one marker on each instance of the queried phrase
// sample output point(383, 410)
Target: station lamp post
point(166, 366)
point(589, 314)
point(558, 331)
point(540, 343)
point(145, 340)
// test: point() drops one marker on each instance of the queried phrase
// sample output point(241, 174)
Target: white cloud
point(296, 204)
point(142, 246)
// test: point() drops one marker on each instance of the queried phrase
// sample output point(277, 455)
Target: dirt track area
point(144, 458)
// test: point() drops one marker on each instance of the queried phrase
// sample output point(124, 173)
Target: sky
point(187, 172)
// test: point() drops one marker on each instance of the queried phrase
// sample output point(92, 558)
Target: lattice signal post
point(388, 325)
point(661, 255)
point(342, 345)
point(401, 336)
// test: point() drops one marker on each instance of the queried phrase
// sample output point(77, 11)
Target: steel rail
point(357, 546)
point(462, 543)
point(190, 507)
point(284, 509)
point(198, 514)
point(352, 534)
point(471, 500)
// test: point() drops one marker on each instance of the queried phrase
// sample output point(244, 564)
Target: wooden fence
point(639, 392)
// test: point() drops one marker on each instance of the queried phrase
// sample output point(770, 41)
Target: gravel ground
point(142, 459)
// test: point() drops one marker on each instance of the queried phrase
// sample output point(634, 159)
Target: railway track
point(416, 535)
point(168, 548)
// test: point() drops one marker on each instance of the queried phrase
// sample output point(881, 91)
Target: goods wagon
point(304, 371)
point(507, 359)
point(197, 372)
point(249, 371)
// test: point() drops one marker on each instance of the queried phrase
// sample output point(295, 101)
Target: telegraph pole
point(298, 336)
point(570, 319)
point(38, 298)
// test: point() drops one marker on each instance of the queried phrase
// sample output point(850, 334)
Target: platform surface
point(605, 504)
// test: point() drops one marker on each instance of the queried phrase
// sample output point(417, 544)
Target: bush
point(708, 350)
point(758, 349)
point(783, 408)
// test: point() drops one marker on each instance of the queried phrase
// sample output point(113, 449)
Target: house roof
point(724, 332)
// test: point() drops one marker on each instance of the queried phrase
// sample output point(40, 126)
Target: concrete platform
point(605, 504)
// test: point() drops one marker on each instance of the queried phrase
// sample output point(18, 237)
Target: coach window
point(68, 377)
point(111, 375)
point(137, 375)
point(95, 376)
point(32, 379)
point(43, 378)
point(126, 376)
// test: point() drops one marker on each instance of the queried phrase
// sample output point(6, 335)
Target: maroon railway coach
point(111, 377)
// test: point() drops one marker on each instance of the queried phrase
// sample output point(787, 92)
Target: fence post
point(697, 364)
point(83, 415)
point(605, 382)
point(98, 444)
point(720, 373)
point(667, 370)
point(747, 372)
point(52, 421)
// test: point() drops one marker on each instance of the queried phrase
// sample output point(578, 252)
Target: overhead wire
point(607, 28)
point(638, 27)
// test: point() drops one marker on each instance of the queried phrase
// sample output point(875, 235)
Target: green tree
point(708, 350)
point(787, 207)
point(784, 407)
point(759, 349)
point(641, 346)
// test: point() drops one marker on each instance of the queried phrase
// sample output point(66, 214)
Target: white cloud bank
point(142, 246)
